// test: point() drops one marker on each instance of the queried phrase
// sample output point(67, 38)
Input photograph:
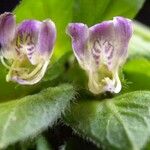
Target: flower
point(25, 49)
point(101, 50)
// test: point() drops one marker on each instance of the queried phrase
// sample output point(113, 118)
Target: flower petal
point(27, 38)
point(79, 33)
point(102, 49)
point(7, 35)
point(46, 39)
point(28, 28)
point(32, 43)
point(7, 28)
point(123, 32)
point(110, 40)
point(101, 41)
point(37, 75)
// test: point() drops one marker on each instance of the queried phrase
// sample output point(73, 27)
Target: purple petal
point(47, 38)
point(79, 34)
point(104, 29)
point(7, 28)
point(36, 39)
point(27, 38)
point(109, 41)
point(123, 31)
point(101, 41)
point(27, 32)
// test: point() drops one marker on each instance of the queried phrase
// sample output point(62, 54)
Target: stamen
point(8, 76)
point(4, 63)
point(34, 72)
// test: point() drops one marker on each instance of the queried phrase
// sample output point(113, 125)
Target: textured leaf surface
point(30, 115)
point(119, 123)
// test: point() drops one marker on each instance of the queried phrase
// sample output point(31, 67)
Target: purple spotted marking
point(17, 50)
point(108, 46)
point(111, 54)
point(96, 51)
point(28, 37)
point(31, 48)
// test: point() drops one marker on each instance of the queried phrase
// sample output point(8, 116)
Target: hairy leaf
point(121, 123)
point(30, 115)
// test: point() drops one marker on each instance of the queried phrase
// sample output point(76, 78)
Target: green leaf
point(121, 123)
point(76, 75)
point(95, 11)
point(140, 41)
point(147, 147)
point(137, 74)
point(42, 144)
point(57, 69)
point(30, 115)
point(66, 11)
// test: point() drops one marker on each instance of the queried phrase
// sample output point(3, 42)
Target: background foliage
point(110, 122)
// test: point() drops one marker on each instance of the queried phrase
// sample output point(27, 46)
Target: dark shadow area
point(144, 14)
point(7, 5)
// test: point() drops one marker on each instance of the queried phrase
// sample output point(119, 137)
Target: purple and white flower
point(25, 49)
point(101, 50)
